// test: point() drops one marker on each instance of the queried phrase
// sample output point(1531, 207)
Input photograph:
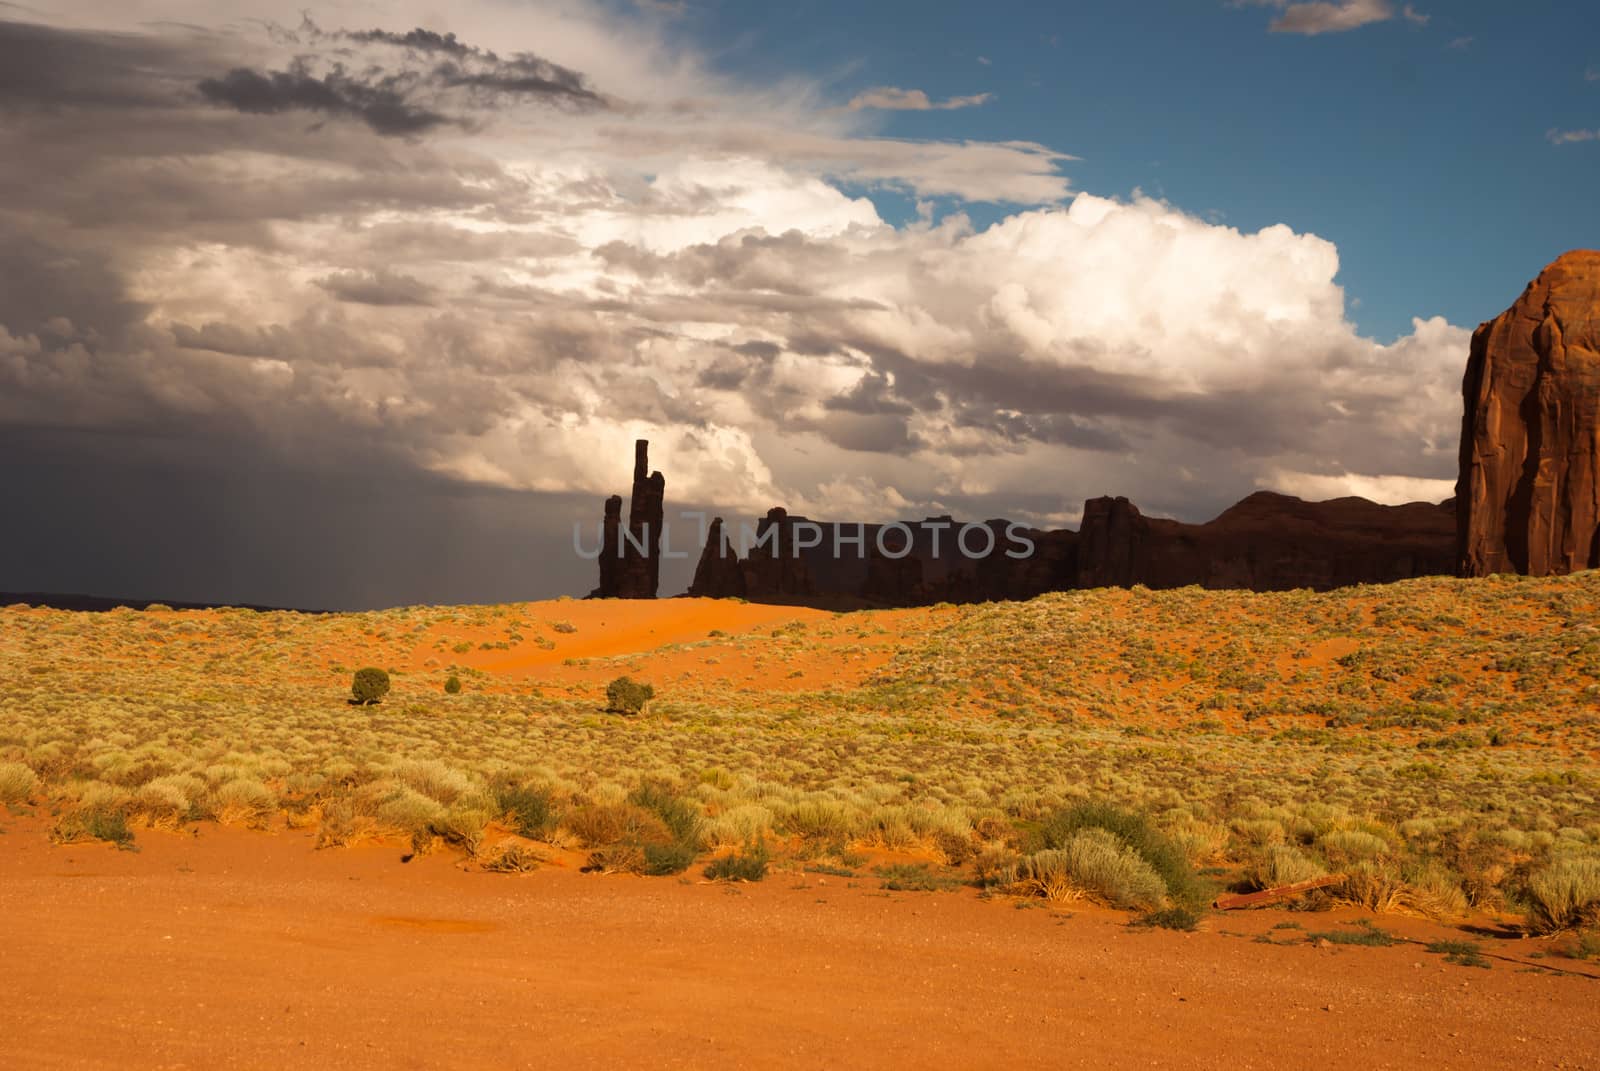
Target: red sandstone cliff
point(1529, 494)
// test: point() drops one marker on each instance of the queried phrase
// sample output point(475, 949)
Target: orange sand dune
point(645, 633)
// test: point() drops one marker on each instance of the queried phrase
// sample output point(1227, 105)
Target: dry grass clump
point(17, 782)
point(1093, 864)
point(1284, 865)
point(1106, 854)
point(244, 802)
point(1565, 895)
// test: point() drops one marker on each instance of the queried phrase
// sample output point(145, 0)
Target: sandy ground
point(239, 949)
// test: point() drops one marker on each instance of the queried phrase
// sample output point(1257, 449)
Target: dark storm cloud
point(43, 67)
point(409, 83)
point(522, 75)
point(419, 39)
point(382, 103)
point(256, 262)
point(870, 397)
point(380, 287)
point(233, 524)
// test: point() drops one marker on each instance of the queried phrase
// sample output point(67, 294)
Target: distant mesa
point(1527, 501)
point(1528, 490)
point(1268, 542)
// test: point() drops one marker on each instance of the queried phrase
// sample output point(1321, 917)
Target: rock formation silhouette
point(1528, 494)
point(1267, 542)
point(630, 559)
point(718, 574)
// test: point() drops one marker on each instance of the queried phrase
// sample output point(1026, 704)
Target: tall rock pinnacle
point(1528, 494)
point(630, 559)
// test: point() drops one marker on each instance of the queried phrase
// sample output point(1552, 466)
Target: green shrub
point(530, 809)
point(370, 685)
point(663, 859)
point(110, 826)
point(452, 685)
point(628, 696)
point(747, 864)
point(1094, 863)
point(679, 815)
point(1565, 895)
point(1161, 853)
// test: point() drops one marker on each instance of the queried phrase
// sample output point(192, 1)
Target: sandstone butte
point(1528, 495)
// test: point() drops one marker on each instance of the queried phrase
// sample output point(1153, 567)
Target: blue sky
point(1420, 149)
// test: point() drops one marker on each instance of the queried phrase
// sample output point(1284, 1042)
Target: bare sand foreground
point(243, 949)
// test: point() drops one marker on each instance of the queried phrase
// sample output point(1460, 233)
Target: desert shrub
point(529, 808)
point(628, 696)
point(955, 848)
point(566, 628)
point(109, 826)
point(436, 780)
point(452, 685)
point(655, 831)
point(1283, 865)
point(100, 813)
point(370, 685)
point(1163, 855)
point(1259, 832)
point(672, 858)
point(17, 782)
point(736, 825)
point(1093, 863)
point(598, 825)
point(344, 824)
point(1433, 889)
point(678, 814)
point(1565, 895)
point(509, 858)
point(166, 801)
point(992, 864)
point(1343, 846)
point(403, 809)
point(821, 819)
point(244, 802)
point(747, 864)
point(462, 827)
point(1374, 885)
point(162, 804)
point(889, 827)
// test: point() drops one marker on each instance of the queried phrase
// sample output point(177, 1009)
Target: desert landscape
point(669, 533)
point(846, 814)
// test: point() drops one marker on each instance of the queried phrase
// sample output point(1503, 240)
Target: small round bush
point(452, 685)
point(371, 684)
point(627, 696)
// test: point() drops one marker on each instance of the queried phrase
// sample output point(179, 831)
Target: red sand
point(239, 949)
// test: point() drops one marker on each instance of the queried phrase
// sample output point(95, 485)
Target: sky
point(363, 303)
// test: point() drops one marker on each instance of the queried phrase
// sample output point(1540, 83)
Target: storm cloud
point(392, 256)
